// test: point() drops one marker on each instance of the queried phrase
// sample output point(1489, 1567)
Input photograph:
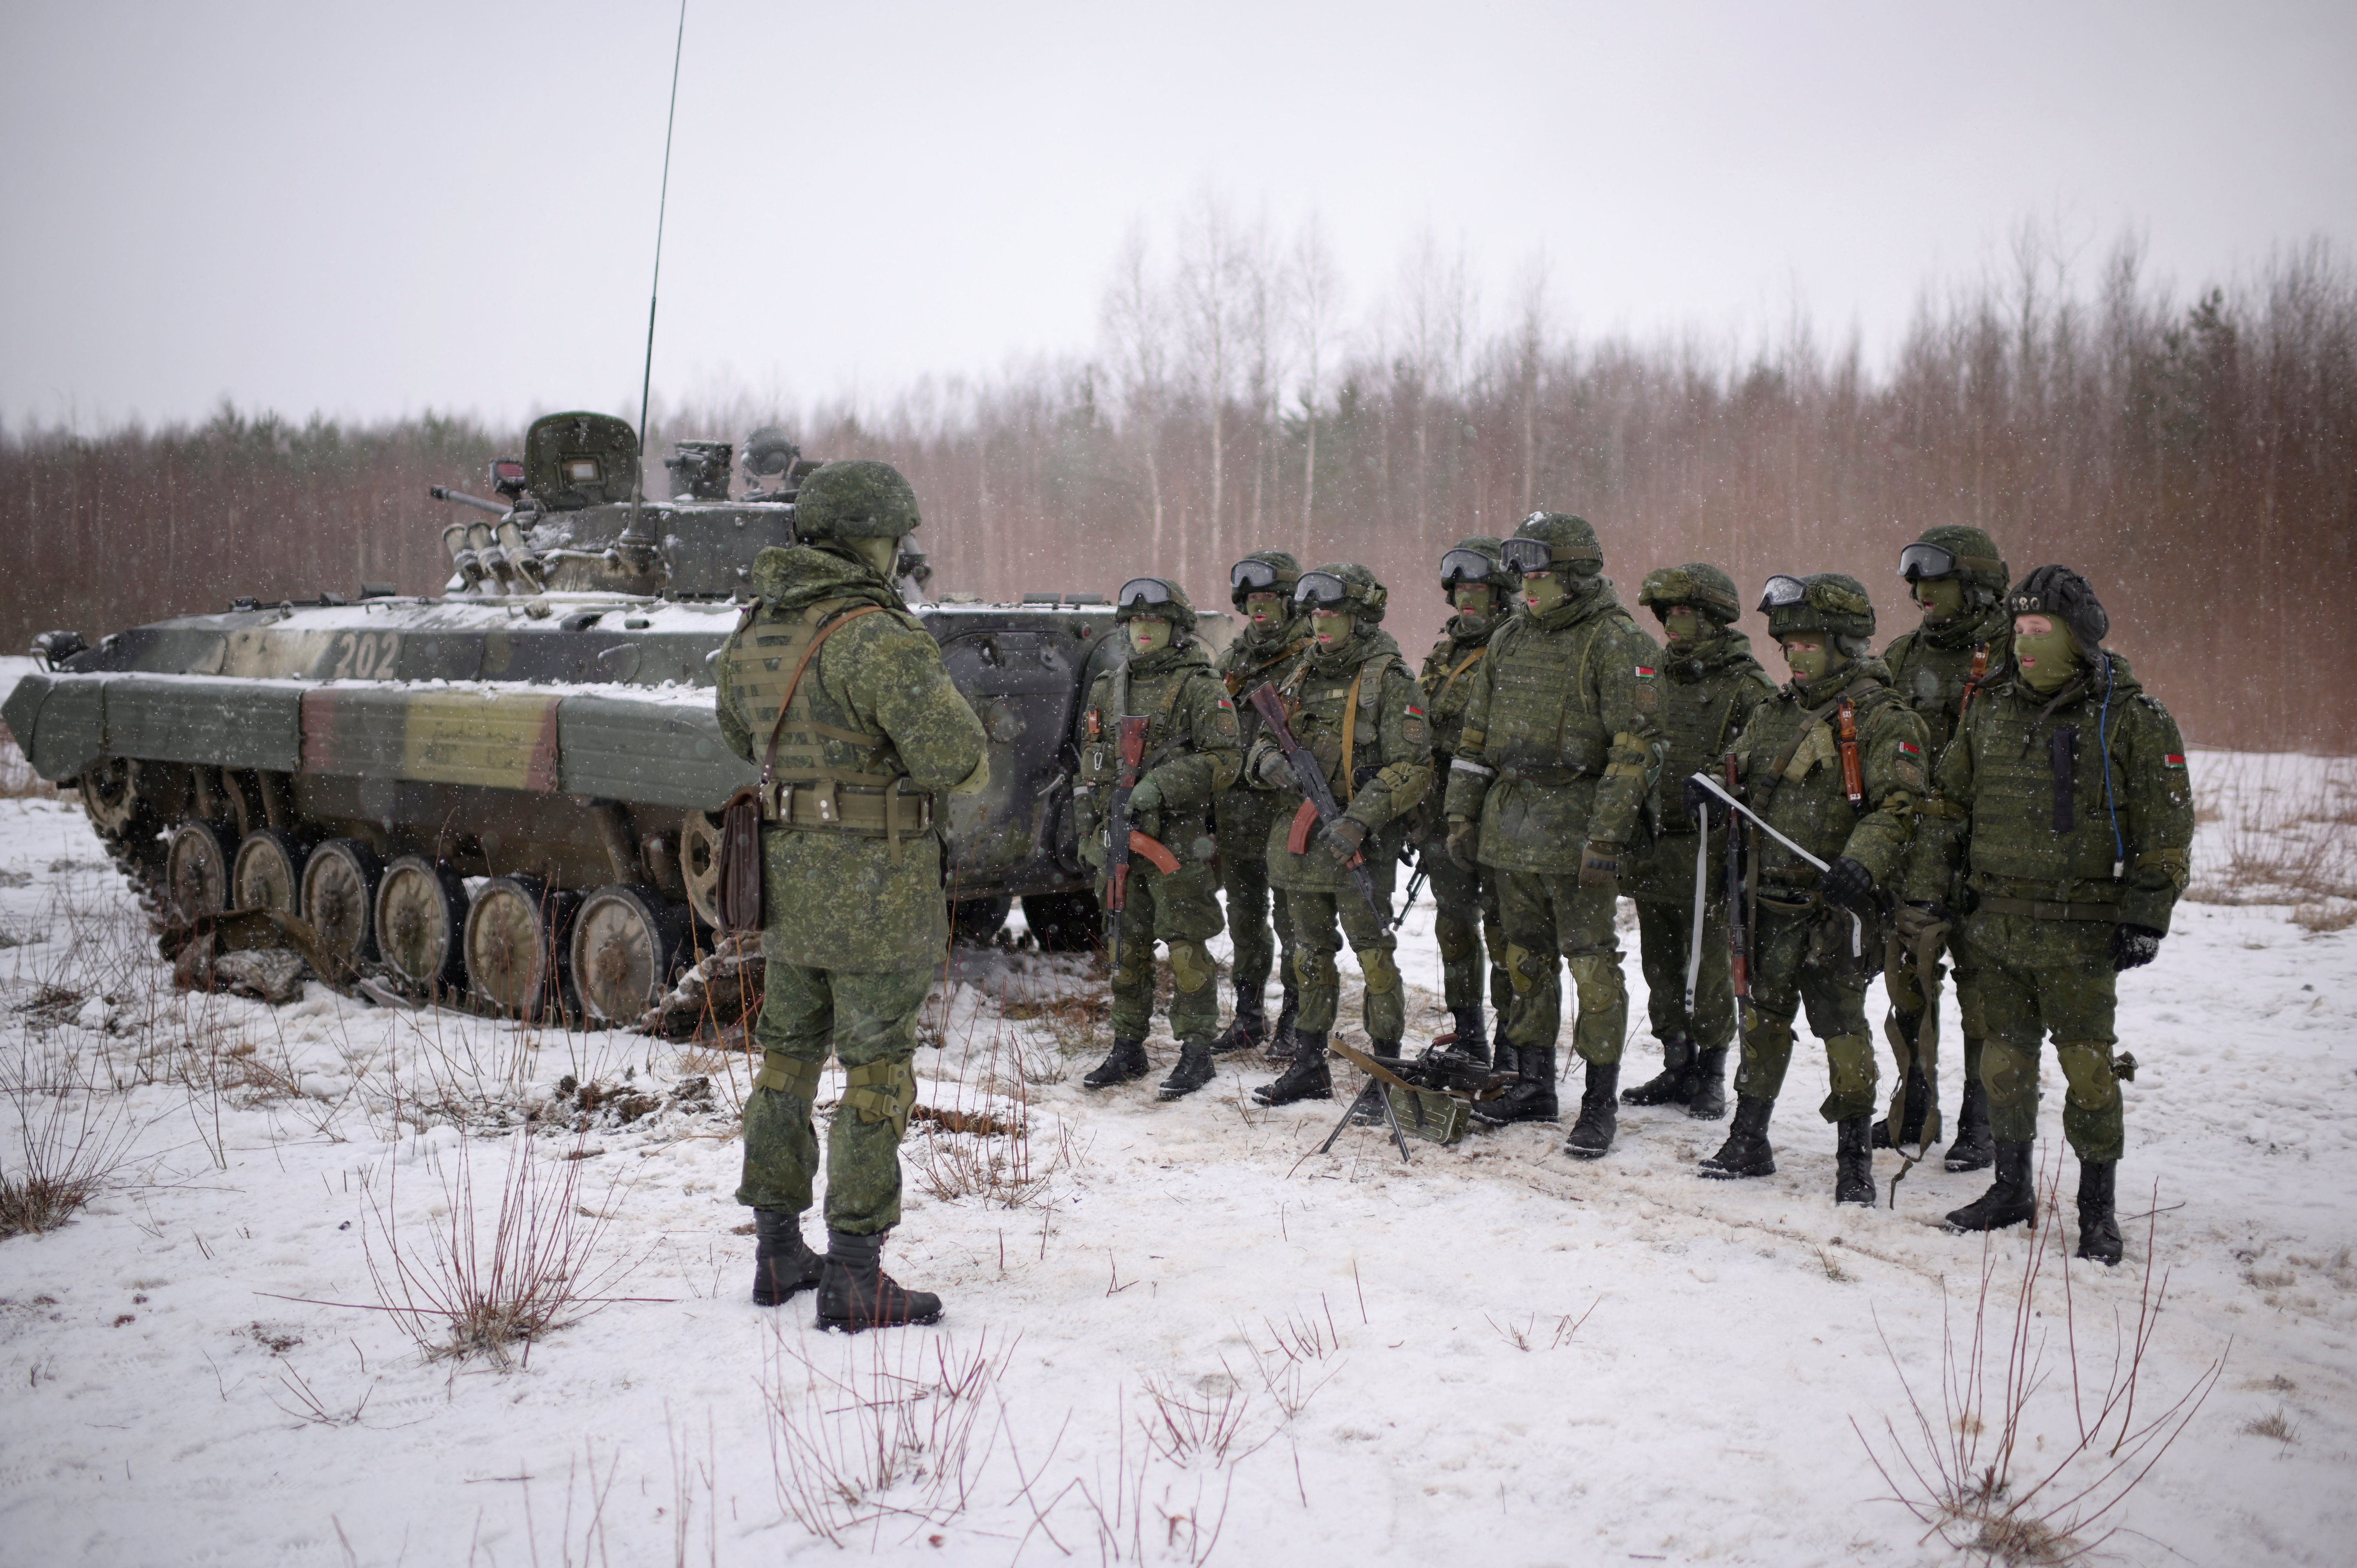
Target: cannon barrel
point(445, 493)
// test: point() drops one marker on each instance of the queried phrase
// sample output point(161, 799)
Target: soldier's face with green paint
point(1808, 656)
point(1474, 601)
point(2047, 653)
point(1267, 610)
point(1941, 598)
point(1330, 628)
point(1147, 633)
point(1542, 591)
point(1681, 623)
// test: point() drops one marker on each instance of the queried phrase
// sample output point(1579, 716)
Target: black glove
point(1464, 840)
point(1848, 884)
point(1703, 806)
point(2132, 947)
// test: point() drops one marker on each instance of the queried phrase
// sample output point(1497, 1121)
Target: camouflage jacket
point(1378, 770)
point(1562, 737)
point(1448, 679)
point(881, 707)
point(1252, 657)
point(1709, 692)
point(2083, 799)
point(1192, 747)
point(1931, 666)
point(1789, 760)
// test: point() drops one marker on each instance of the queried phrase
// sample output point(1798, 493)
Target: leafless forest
point(2194, 452)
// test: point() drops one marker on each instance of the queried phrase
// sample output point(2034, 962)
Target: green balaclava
point(1694, 602)
point(1148, 634)
point(1332, 628)
point(1261, 587)
point(1558, 556)
point(2048, 659)
point(1476, 582)
point(1154, 612)
point(1476, 602)
point(2076, 621)
point(1809, 655)
point(1952, 570)
point(1826, 608)
point(1340, 599)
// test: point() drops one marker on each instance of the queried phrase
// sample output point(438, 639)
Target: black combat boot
point(1126, 1061)
point(1854, 1161)
point(1249, 1029)
point(1921, 1095)
point(1675, 1084)
point(1307, 1078)
point(1193, 1071)
point(855, 1294)
point(2012, 1201)
point(1709, 1101)
point(1532, 1098)
point(1501, 1054)
point(1599, 1113)
point(782, 1261)
point(1974, 1148)
point(1282, 1038)
point(1470, 1042)
point(1747, 1152)
point(2099, 1220)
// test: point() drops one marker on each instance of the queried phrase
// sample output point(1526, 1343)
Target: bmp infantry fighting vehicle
point(513, 789)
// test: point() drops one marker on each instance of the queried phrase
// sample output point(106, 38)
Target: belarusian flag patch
point(1910, 749)
point(2174, 760)
point(1644, 673)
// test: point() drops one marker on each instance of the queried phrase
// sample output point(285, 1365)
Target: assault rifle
point(1121, 840)
point(1317, 804)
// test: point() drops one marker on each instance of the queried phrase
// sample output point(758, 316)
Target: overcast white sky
point(370, 211)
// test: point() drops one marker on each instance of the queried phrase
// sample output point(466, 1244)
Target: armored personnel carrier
point(511, 791)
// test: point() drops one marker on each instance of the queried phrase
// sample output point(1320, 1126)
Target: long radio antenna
point(655, 288)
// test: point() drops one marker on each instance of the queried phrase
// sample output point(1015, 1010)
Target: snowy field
point(1174, 1333)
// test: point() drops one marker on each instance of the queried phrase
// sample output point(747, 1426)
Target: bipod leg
point(1353, 1109)
point(1391, 1116)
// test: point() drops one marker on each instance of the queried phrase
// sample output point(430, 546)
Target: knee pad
point(1597, 974)
point(1314, 969)
point(1454, 936)
point(1190, 966)
point(881, 1091)
point(1527, 968)
point(1382, 973)
point(2087, 1069)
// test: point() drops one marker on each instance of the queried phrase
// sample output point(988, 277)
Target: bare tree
point(1211, 320)
point(1136, 321)
point(1317, 297)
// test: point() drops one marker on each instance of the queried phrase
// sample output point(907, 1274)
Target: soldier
point(1474, 579)
point(1560, 744)
point(1191, 757)
point(839, 694)
point(1835, 762)
point(1354, 705)
point(1965, 643)
point(1711, 683)
point(1261, 587)
point(2063, 800)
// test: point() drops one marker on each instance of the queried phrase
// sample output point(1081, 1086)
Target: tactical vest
point(1156, 698)
point(1699, 720)
point(826, 777)
point(1546, 724)
point(1932, 679)
point(1337, 714)
point(1791, 770)
point(1447, 684)
point(1243, 670)
point(2041, 812)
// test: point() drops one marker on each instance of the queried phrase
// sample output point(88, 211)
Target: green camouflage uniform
point(1245, 815)
point(1465, 902)
point(880, 719)
point(1802, 947)
point(2065, 818)
point(1709, 690)
point(1192, 754)
point(1386, 770)
point(1560, 749)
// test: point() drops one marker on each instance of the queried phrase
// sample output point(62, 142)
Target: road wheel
point(699, 864)
point(339, 882)
point(515, 944)
point(195, 870)
point(1064, 922)
point(625, 941)
point(268, 872)
point(421, 913)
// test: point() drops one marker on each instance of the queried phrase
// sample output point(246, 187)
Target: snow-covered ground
point(1190, 1336)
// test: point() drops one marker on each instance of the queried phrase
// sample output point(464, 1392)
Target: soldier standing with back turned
point(1964, 644)
point(1191, 757)
point(839, 695)
point(1562, 743)
point(2064, 802)
point(1261, 587)
point(1710, 685)
point(1465, 900)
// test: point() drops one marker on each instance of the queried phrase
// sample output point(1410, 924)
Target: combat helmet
point(856, 498)
point(2059, 591)
point(1474, 560)
point(1553, 541)
point(1829, 602)
point(1262, 572)
point(1956, 550)
point(1342, 582)
point(1698, 583)
point(1159, 597)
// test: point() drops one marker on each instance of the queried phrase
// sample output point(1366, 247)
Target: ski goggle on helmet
point(1321, 591)
point(1783, 591)
point(1526, 557)
point(1460, 567)
point(1919, 560)
point(1254, 577)
point(1143, 593)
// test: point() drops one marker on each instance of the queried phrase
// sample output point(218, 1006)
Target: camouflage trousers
point(2020, 979)
point(1243, 818)
point(1182, 911)
point(1551, 917)
point(1803, 959)
point(1465, 920)
point(1315, 944)
point(1664, 937)
point(871, 1021)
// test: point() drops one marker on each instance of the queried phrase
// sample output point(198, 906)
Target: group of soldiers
point(1993, 789)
